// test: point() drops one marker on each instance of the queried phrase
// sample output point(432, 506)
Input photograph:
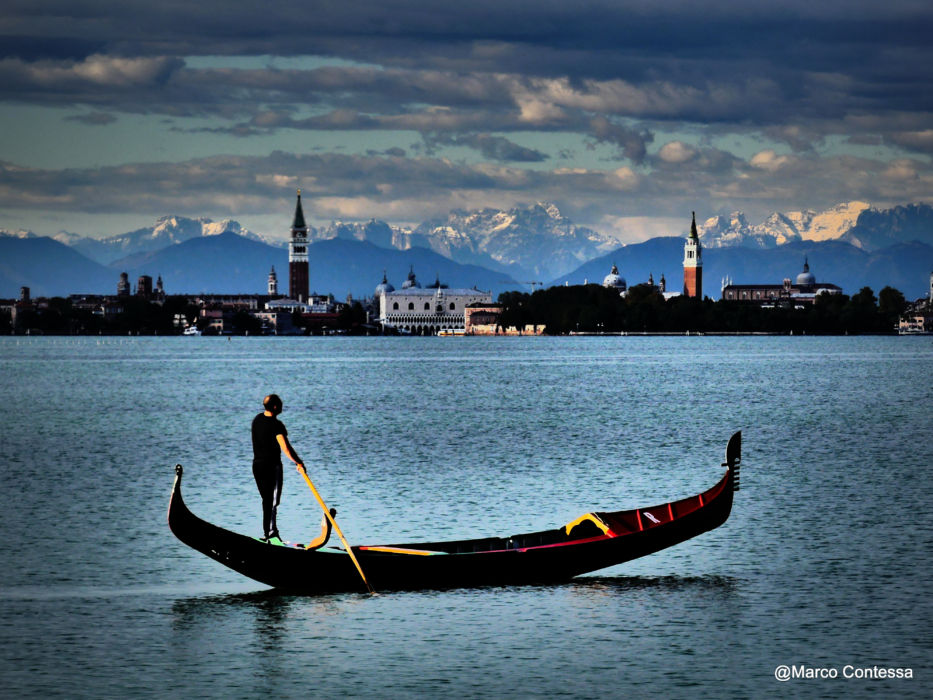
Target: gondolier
point(270, 439)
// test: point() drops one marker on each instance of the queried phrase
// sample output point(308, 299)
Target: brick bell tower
point(298, 256)
point(693, 263)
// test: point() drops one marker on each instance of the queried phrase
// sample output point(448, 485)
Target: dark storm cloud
point(741, 105)
point(93, 119)
point(495, 148)
point(683, 60)
point(632, 143)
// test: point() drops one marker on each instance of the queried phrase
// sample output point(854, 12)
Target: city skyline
point(625, 115)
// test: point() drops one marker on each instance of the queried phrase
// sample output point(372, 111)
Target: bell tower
point(298, 256)
point(273, 283)
point(693, 263)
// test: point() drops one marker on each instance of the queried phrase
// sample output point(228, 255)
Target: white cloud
point(769, 160)
point(624, 178)
point(676, 152)
point(276, 180)
point(98, 70)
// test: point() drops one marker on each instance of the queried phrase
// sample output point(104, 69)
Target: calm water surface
point(824, 563)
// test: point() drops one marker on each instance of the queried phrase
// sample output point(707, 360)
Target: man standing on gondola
point(270, 439)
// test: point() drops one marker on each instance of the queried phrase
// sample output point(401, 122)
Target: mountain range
point(857, 223)
point(528, 242)
point(533, 242)
point(851, 244)
point(168, 231)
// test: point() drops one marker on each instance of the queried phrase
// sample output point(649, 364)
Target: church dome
point(806, 278)
point(614, 279)
point(383, 287)
point(411, 282)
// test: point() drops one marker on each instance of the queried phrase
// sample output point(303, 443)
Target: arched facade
point(425, 311)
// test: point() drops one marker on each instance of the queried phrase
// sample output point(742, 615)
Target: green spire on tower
point(299, 221)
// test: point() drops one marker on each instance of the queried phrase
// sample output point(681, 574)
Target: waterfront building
point(276, 323)
point(242, 302)
point(105, 307)
point(917, 321)
point(483, 319)
point(123, 286)
point(693, 263)
point(313, 304)
point(804, 290)
point(425, 311)
point(298, 284)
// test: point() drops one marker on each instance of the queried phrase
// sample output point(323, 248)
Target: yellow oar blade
point(337, 530)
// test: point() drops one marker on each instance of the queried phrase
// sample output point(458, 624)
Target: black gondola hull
point(533, 558)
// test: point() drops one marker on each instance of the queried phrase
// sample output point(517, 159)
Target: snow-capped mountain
point(19, 233)
point(902, 224)
point(527, 240)
point(169, 230)
point(535, 239)
point(781, 228)
point(376, 232)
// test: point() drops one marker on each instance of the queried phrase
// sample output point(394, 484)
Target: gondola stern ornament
point(734, 457)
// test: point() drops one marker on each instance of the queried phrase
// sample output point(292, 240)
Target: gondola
point(593, 541)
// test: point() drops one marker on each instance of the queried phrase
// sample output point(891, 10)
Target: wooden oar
point(337, 530)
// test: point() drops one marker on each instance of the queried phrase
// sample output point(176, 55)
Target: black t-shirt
point(265, 445)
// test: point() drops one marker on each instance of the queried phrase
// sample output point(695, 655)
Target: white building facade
point(425, 310)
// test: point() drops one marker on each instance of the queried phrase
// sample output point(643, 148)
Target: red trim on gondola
point(640, 524)
point(560, 544)
point(670, 511)
point(701, 500)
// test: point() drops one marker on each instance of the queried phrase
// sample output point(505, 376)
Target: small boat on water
point(593, 541)
point(191, 330)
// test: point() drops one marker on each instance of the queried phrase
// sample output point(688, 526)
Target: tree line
point(596, 309)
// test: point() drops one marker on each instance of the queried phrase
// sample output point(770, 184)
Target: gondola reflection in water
point(593, 541)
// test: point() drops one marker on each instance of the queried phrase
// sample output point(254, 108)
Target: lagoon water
point(824, 563)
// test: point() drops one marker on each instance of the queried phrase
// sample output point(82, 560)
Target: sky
point(626, 115)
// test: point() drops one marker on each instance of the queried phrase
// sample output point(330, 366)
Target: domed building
point(804, 291)
point(614, 280)
point(806, 278)
point(418, 311)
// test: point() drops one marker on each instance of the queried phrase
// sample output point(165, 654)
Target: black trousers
point(269, 480)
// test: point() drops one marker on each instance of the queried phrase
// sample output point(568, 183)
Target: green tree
point(891, 304)
point(860, 315)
